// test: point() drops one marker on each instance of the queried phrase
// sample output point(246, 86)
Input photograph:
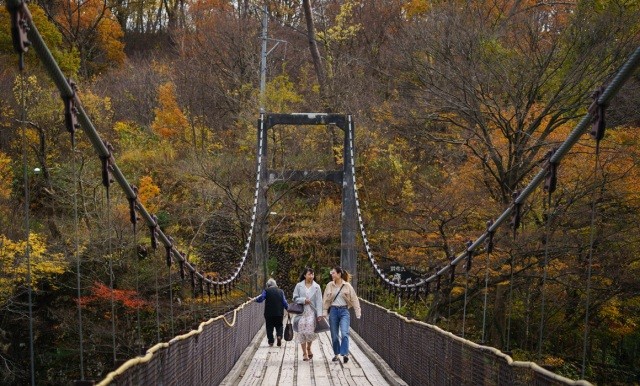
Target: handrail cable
point(148, 356)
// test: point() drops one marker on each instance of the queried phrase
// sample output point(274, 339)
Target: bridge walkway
point(264, 365)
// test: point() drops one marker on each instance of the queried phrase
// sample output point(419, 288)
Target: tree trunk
point(315, 55)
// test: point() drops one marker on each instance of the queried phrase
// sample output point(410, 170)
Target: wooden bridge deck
point(264, 365)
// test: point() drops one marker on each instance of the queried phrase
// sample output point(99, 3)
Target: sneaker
point(345, 359)
point(335, 359)
point(279, 341)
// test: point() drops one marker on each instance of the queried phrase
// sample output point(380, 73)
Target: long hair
point(304, 272)
point(346, 276)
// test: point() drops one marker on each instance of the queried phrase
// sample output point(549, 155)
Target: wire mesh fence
point(423, 354)
point(200, 357)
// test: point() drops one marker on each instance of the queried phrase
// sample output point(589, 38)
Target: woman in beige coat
point(338, 297)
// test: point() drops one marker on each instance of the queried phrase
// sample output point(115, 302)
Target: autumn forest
point(456, 105)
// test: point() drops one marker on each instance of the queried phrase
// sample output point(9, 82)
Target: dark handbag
point(295, 308)
point(288, 330)
point(322, 325)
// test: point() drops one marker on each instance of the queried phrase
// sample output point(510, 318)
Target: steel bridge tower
point(344, 177)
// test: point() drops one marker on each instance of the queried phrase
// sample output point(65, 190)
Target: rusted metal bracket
point(516, 218)
point(71, 112)
point(20, 18)
point(597, 111)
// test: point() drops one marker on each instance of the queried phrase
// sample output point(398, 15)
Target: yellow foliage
point(68, 60)
point(169, 119)
point(5, 176)
point(417, 7)
point(13, 264)
point(280, 94)
point(619, 322)
point(148, 193)
point(342, 31)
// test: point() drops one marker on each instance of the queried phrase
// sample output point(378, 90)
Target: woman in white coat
point(307, 292)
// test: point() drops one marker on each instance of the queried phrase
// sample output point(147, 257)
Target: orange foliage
point(169, 120)
point(92, 28)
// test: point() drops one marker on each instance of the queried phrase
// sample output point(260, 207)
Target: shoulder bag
point(295, 308)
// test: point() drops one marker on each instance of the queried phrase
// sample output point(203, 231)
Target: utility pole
point(261, 245)
point(263, 60)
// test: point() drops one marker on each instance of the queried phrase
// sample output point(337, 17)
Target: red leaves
point(102, 294)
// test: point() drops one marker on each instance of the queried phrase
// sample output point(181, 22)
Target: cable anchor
point(133, 205)
point(490, 235)
point(71, 111)
point(107, 166)
point(469, 255)
point(154, 232)
point(597, 110)
point(20, 18)
point(516, 218)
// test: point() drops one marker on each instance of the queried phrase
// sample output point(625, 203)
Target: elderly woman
point(274, 306)
point(309, 293)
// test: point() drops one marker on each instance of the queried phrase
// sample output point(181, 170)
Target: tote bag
point(322, 325)
point(288, 330)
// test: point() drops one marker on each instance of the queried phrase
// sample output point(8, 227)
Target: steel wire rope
point(157, 288)
point(486, 290)
point(27, 221)
point(590, 260)
point(76, 178)
point(136, 260)
point(464, 307)
point(111, 276)
point(510, 302)
point(544, 277)
point(170, 259)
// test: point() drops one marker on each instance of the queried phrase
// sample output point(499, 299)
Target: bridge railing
point(423, 354)
point(200, 357)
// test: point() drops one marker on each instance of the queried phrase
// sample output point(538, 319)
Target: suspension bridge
point(389, 348)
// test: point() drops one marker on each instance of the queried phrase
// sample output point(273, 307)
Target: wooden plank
point(369, 370)
point(264, 365)
point(335, 368)
point(303, 375)
point(243, 362)
point(287, 366)
point(319, 362)
point(254, 374)
point(274, 363)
